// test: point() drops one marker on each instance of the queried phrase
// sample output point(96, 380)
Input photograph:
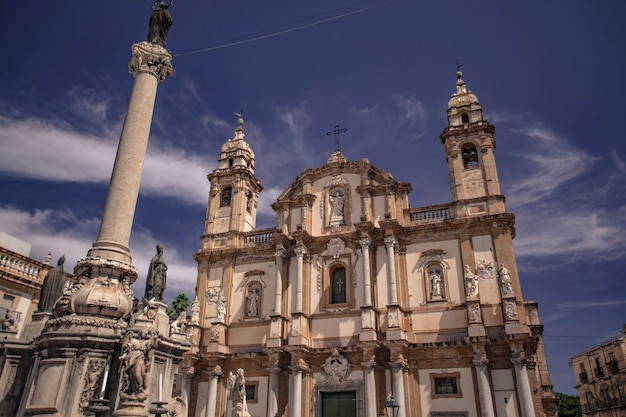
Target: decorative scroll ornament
point(509, 309)
point(485, 269)
point(473, 313)
point(213, 295)
point(93, 381)
point(336, 247)
point(336, 368)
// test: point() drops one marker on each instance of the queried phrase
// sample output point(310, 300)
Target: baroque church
point(356, 304)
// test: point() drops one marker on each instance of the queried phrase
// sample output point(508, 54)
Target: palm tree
point(180, 303)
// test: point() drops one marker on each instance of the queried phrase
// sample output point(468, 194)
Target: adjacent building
point(601, 378)
point(354, 298)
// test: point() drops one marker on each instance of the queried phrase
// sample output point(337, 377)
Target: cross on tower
point(336, 132)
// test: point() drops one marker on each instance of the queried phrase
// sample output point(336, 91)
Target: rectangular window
point(252, 391)
point(622, 393)
point(445, 385)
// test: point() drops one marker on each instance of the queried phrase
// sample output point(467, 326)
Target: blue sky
point(548, 74)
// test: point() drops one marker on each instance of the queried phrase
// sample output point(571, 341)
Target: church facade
point(355, 300)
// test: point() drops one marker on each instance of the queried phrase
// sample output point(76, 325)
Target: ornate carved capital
point(152, 59)
point(390, 241)
point(365, 242)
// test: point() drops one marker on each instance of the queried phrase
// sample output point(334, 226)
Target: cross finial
point(459, 66)
point(240, 118)
point(336, 132)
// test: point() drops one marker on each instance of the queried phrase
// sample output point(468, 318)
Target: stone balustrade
point(431, 214)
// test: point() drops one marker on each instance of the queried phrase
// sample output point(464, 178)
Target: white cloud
point(59, 232)
point(43, 150)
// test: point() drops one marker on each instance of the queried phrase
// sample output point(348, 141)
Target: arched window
point(225, 197)
point(249, 202)
point(470, 156)
point(338, 285)
point(464, 118)
point(253, 300)
point(230, 162)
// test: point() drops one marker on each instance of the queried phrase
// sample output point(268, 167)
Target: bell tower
point(234, 188)
point(469, 144)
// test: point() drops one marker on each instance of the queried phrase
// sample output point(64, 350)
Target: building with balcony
point(21, 278)
point(601, 378)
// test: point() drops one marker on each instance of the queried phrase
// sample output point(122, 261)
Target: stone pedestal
point(368, 324)
point(152, 315)
point(36, 326)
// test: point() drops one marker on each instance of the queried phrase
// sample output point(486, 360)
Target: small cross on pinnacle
point(336, 132)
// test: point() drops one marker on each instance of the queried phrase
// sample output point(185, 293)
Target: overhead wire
point(277, 31)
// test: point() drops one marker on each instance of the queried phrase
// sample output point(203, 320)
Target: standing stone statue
point(237, 386)
point(155, 282)
point(52, 287)
point(160, 23)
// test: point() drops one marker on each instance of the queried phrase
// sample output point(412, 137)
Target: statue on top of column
point(155, 281)
point(52, 287)
point(160, 23)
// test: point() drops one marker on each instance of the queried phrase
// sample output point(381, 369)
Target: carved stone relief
point(336, 368)
point(485, 269)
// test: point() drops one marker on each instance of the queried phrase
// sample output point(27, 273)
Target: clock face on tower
point(473, 183)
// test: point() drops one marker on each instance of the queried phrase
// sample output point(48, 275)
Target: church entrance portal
point(338, 404)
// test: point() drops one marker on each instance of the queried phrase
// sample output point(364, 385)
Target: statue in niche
point(52, 287)
point(337, 202)
point(506, 287)
point(160, 23)
point(471, 283)
point(155, 282)
point(136, 359)
point(253, 300)
point(436, 282)
point(237, 388)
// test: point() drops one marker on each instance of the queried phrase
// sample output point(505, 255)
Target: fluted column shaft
point(523, 387)
point(272, 401)
point(397, 370)
point(370, 389)
point(391, 270)
point(299, 278)
point(295, 402)
point(211, 401)
point(367, 280)
point(278, 298)
point(484, 388)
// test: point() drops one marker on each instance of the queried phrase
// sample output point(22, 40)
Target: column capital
point(216, 372)
point(390, 241)
point(481, 363)
point(152, 59)
point(519, 362)
point(280, 252)
point(300, 251)
point(369, 365)
point(365, 242)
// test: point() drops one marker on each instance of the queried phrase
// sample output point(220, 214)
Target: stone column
point(367, 284)
point(211, 401)
point(295, 402)
point(272, 400)
point(150, 64)
point(370, 388)
point(391, 270)
point(278, 298)
point(523, 387)
point(484, 387)
point(397, 371)
point(185, 391)
point(300, 251)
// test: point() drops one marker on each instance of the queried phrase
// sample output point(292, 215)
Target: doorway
point(338, 404)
